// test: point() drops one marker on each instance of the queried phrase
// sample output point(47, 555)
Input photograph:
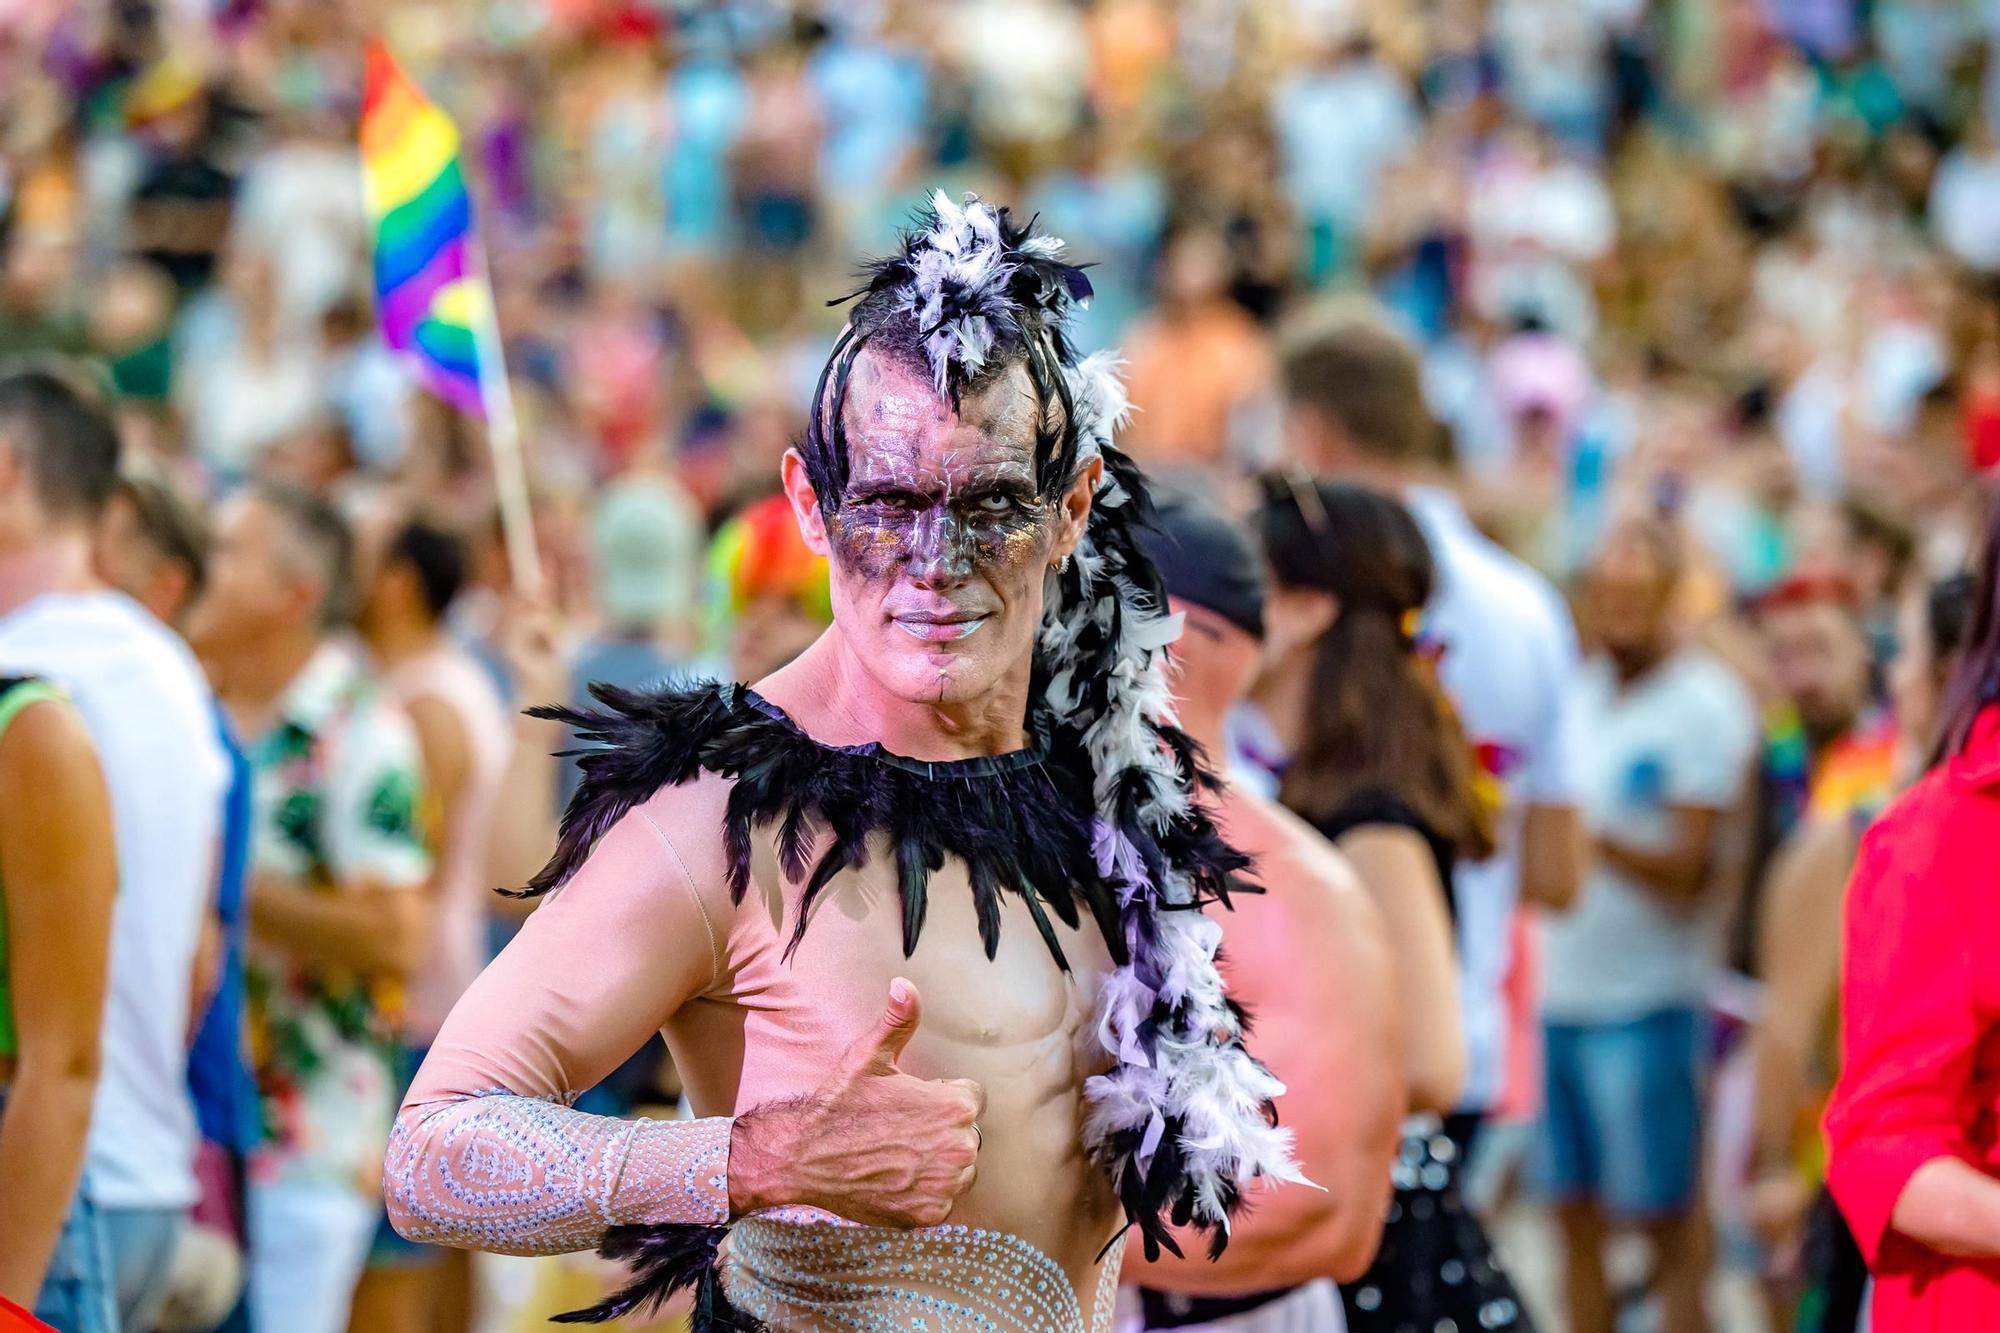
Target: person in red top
point(1913, 1126)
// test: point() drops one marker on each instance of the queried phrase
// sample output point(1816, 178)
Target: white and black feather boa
point(1185, 1119)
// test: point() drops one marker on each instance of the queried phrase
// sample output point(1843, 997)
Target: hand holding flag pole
point(503, 442)
point(433, 296)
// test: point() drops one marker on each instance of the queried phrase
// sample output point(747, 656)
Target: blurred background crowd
point(1704, 297)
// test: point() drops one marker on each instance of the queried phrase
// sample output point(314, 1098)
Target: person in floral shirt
point(338, 864)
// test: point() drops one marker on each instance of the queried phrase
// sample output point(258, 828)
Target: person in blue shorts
point(1672, 733)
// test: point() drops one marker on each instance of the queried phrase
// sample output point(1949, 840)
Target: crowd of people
point(1589, 407)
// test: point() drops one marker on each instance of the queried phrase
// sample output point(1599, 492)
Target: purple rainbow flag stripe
point(430, 299)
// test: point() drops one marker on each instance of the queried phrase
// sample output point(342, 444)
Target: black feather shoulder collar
point(1020, 821)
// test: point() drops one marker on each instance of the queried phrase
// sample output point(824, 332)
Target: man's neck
point(1391, 476)
point(630, 633)
point(1281, 692)
point(253, 683)
point(1633, 663)
point(851, 708)
point(59, 563)
point(1820, 734)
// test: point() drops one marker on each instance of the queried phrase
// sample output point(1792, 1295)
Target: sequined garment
point(1435, 1269)
point(530, 1175)
point(797, 1274)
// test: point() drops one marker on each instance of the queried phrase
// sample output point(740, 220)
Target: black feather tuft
point(912, 876)
point(986, 904)
point(666, 1260)
point(836, 858)
point(795, 842)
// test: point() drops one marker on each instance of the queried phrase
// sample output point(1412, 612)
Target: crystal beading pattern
point(529, 1175)
point(946, 1279)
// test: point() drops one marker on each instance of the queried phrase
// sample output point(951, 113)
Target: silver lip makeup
point(934, 628)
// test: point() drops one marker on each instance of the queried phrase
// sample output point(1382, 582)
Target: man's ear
point(1076, 502)
point(13, 467)
point(805, 503)
point(1312, 438)
point(305, 600)
point(170, 584)
point(1322, 609)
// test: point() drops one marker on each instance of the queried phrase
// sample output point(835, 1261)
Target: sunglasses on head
point(1297, 487)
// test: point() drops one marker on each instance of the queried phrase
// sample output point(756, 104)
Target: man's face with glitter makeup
point(940, 546)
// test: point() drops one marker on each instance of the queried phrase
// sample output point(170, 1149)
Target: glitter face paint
point(941, 544)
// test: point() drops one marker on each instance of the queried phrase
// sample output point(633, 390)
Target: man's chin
point(933, 673)
point(1824, 723)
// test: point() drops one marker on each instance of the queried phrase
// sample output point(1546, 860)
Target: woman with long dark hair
point(1913, 1127)
point(1381, 765)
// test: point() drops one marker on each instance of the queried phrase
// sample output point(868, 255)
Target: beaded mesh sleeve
point(530, 1175)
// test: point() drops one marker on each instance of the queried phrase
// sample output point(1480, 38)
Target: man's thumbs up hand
point(872, 1144)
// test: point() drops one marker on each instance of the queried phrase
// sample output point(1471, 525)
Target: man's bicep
point(60, 875)
point(1362, 1042)
point(1333, 1034)
point(592, 974)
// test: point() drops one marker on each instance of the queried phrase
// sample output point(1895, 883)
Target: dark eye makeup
point(986, 501)
point(888, 497)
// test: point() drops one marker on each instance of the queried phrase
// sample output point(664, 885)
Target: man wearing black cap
point(1310, 961)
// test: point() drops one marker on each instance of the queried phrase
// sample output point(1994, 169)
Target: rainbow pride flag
point(431, 299)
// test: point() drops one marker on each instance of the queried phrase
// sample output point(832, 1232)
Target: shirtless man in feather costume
point(918, 914)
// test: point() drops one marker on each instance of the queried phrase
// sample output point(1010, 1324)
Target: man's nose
point(940, 551)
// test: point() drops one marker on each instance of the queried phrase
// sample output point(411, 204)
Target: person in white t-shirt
point(1354, 409)
point(149, 712)
point(1672, 736)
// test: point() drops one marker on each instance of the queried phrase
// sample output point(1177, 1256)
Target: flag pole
point(503, 442)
